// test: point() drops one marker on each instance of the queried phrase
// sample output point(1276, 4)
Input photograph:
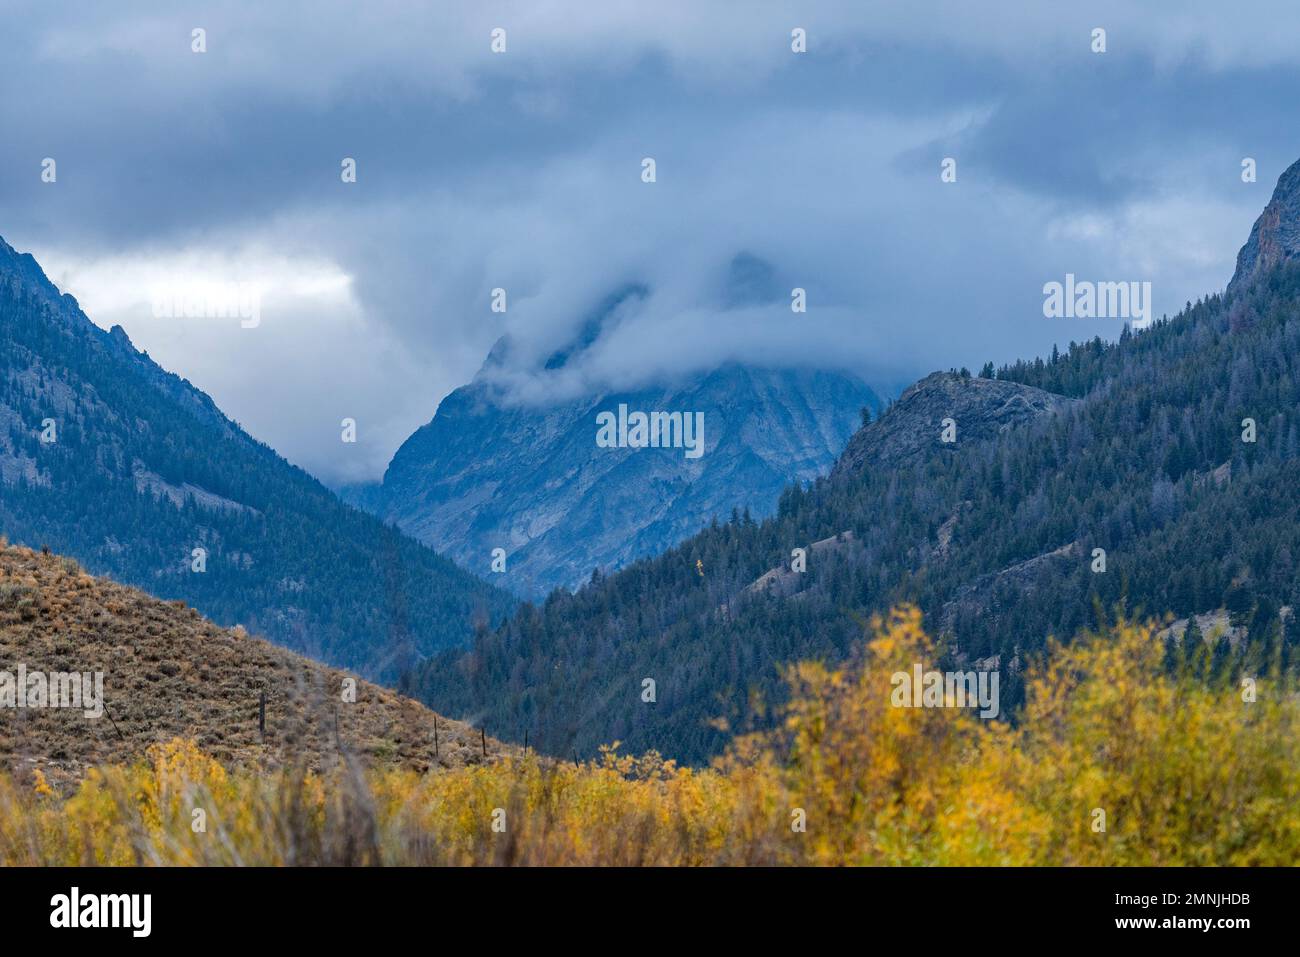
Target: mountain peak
point(22, 271)
point(535, 481)
point(750, 281)
point(22, 266)
point(1275, 237)
point(595, 324)
point(118, 335)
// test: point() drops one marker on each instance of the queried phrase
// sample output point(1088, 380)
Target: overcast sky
point(522, 170)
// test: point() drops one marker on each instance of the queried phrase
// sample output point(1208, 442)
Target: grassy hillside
point(169, 673)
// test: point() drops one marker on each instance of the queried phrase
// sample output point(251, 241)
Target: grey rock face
point(1275, 237)
point(980, 409)
point(534, 482)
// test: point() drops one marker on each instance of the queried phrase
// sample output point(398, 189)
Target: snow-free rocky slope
point(488, 473)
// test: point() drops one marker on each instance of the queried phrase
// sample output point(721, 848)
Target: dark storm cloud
point(522, 171)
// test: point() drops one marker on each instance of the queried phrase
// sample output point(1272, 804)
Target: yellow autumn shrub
point(1112, 761)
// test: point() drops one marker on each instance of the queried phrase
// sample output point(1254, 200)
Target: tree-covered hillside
point(107, 458)
point(993, 535)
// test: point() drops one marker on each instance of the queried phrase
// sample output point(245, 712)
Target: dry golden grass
point(169, 673)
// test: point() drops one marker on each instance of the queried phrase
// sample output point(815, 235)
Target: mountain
point(1275, 237)
point(533, 480)
point(1154, 475)
point(109, 459)
point(169, 673)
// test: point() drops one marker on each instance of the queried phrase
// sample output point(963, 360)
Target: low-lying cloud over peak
point(523, 171)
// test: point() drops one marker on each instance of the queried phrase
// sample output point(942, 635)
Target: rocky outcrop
point(784, 581)
point(989, 593)
point(1275, 237)
point(980, 409)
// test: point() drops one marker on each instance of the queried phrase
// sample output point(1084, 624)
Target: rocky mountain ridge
point(538, 483)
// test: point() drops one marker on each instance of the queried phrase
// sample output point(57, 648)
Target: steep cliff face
point(1275, 237)
point(536, 483)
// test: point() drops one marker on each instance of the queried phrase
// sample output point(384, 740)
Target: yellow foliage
point(40, 785)
point(1182, 772)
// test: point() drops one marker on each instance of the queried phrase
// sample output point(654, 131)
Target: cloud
point(522, 171)
point(289, 370)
